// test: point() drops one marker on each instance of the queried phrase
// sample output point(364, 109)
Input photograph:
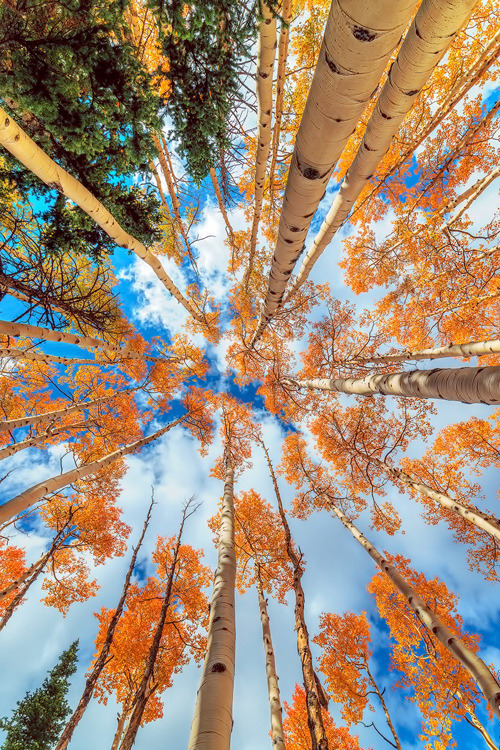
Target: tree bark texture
point(213, 713)
point(429, 36)
point(471, 385)
point(467, 658)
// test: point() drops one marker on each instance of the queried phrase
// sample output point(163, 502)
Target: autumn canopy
point(250, 372)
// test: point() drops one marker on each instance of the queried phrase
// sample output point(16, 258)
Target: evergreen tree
point(38, 719)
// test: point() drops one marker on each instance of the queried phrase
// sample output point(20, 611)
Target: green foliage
point(39, 718)
point(205, 47)
point(70, 78)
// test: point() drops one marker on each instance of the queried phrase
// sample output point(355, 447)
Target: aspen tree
point(212, 720)
point(266, 51)
point(144, 690)
point(36, 419)
point(316, 696)
point(23, 329)
point(471, 385)
point(427, 40)
point(472, 663)
point(39, 439)
point(100, 662)
point(26, 499)
point(357, 44)
point(465, 351)
point(15, 140)
point(286, 15)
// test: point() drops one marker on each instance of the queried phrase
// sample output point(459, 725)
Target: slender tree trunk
point(11, 450)
point(355, 50)
point(469, 79)
point(286, 15)
point(387, 715)
point(37, 565)
point(220, 203)
point(471, 385)
point(277, 738)
point(266, 52)
point(213, 718)
point(121, 725)
point(427, 40)
point(88, 342)
point(29, 497)
point(462, 653)
point(33, 573)
point(15, 140)
point(466, 350)
point(472, 719)
point(315, 695)
point(12, 424)
point(100, 662)
point(471, 514)
point(50, 359)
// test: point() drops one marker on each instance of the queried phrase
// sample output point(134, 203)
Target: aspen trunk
point(358, 41)
point(266, 51)
point(471, 195)
point(469, 79)
point(466, 350)
point(213, 719)
point(144, 690)
point(100, 662)
point(12, 424)
point(429, 36)
point(286, 14)
point(15, 140)
point(34, 356)
point(472, 719)
point(315, 695)
point(4, 593)
point(471, 514)
point(462, 653)
point(277, 738)
point(119, 729)
point(387, 715)
point(29, 497)
point(220, 202)
point(471, 385)
point(11, 450)
point(88, 342)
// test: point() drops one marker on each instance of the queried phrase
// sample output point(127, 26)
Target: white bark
point(266, 52)
point(54, 359)
point(20, 145)
point(89, 342)
point(29, 497)
point(466, 350)
point(11, 450)
point(12, 424)
point(277, 738)
point(359, 39)
point(213, 718)
point(286, 14)
point(471, 385)
point(431, 33)
point(462, 653)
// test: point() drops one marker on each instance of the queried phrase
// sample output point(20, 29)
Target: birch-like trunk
point(277, 738)
point(470, 385)
point(48, 359)
point(29, 497)
point(220, 203)
point(471, 195)
point(13, 424)
point(20, 145)
point(100, 662)
point(213, 713)
point(469, 79)
point(466, 350)
point(471, 514)
point(40, 563)
point(286, 15)
point(462, 653)
point(144, 690)
point(266, 52)
point(315, 695)
point(11, 450)
point(120, 727)
point(88, 342)
point(429, 36)
point(358, 41)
